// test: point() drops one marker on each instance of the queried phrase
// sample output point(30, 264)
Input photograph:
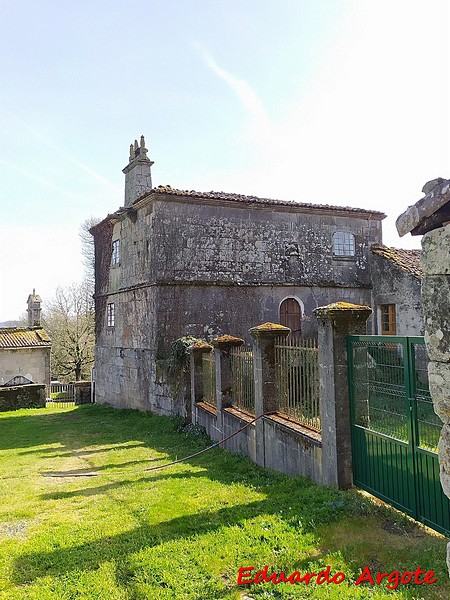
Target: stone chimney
point(138, 176)
point(34, 310)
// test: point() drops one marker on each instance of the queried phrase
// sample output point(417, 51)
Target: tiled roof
point(23, 337)
point(168, 190)
point(407, 260)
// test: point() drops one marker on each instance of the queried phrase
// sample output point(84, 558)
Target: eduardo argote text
point(391, 580)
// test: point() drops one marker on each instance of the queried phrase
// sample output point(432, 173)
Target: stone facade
point(204, 264)
point(31, 363)
point(431, 216)
point(397, 278)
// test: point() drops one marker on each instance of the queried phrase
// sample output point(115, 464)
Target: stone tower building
point(172, 263)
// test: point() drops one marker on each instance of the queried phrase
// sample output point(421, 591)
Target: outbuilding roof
point(24, 337)
point(407, 260)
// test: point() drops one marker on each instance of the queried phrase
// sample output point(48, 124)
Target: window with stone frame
point(110, 314)
point(115, 255)
point(343, 243)
point(291, 316)
point(388, 319)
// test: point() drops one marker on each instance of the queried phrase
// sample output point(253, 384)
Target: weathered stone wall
point(436, 308)
point(188, 267)
point(227, 244)
point(210, 311)
point(25, 361)
point(392, 285)
point(22, 396)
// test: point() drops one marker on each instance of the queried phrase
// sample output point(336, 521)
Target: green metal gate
point(395, 430)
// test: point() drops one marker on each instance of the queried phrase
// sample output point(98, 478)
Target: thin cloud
point(243, 90)
point(61, 151)
point(44, 182)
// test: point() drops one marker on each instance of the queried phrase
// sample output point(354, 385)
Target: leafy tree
point(69, 319)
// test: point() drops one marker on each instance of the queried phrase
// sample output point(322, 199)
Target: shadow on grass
point(296, 498)
point(92, 554)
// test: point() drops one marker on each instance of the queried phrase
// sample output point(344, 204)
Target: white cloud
point(374, 124)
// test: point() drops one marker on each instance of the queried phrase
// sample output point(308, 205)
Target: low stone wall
point(284, 445)
point(22, 396)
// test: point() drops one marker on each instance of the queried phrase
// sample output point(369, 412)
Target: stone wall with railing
point(285, 393)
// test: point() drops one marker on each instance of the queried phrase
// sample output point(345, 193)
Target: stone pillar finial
point(131, 152)
point(223, 347)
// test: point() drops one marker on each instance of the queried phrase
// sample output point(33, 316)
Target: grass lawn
point(181, 532)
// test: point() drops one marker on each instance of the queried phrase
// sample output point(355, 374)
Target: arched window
point(291, 316)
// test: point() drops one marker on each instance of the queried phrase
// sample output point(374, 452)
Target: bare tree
point(69, 319)
point(87, 250)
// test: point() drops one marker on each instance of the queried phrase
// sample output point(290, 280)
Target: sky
point(342, 102)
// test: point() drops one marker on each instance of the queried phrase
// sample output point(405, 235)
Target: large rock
point(435, 301)
point(435, 257)
point(439, 380)
point(444, 458)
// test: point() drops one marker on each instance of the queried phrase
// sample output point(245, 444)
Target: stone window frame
point(388, 319)
point(298, 332)
point(344, 244)
point(115, 253)
point(110, 314)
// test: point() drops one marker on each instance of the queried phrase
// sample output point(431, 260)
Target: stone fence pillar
point(435, 262)
point(223, 346)
point(266, 400)
point(196, 365)
point(336, 322)
point(82, 392)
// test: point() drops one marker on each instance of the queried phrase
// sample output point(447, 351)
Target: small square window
point(388, 319)
point(110, 318)
point(343, 244)
point(115, 256)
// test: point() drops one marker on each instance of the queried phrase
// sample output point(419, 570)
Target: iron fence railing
point(297, 380)
point(243, 386)
point(209, 378)
point(60, 394)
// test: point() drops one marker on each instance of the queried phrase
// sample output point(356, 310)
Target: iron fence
point(243, 386)
point(209, 378)
point(297, 380)
point(60, 394)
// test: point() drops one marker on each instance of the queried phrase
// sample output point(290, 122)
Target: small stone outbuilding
point(25, 351)
point(396, 300)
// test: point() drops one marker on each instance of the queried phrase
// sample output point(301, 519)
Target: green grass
point(181, 532)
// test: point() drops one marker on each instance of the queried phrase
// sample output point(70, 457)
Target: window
point(291, 316)
point(115, 257)
point(343, 244)
point(110, 314)
point(388, 319)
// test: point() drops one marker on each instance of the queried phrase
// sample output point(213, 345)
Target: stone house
point(396, 302)
point(25, 351)
point(172, 263)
